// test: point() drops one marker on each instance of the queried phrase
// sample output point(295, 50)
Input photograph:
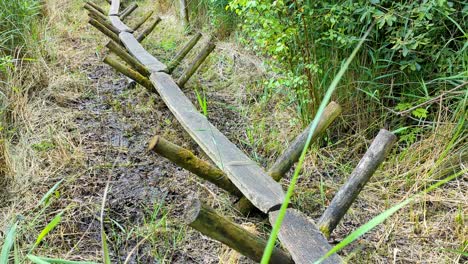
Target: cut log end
point(192, 211)
point(153, 142)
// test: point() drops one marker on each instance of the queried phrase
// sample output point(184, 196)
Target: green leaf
point(105, 247)
point(419, 113)
point(49, 227)
point(57, 261)
point(9, 240)
point(37, 260)
point(46, 197)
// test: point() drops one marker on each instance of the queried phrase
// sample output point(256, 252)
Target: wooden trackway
point(261, 190)
point(298, 234)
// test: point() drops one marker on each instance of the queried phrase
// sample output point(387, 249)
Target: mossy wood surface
point(183, 52)
point(193, 66)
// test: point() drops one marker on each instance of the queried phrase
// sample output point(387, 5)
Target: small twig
point(127, 259)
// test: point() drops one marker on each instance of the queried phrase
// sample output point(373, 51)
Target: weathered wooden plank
point(249, 178)
point(114, 8)
point(116, 22)
point(302, 238)
point(137, 50)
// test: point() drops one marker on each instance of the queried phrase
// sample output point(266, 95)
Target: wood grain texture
point(135, 48)
point(114, 8)
point(116, 22)
point(302, 239)
point(345, 197)
point(249, 178)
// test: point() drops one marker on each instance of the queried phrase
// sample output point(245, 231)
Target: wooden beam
point(303, 240)
point(129, 72)
point(184, 13)
point(211, 224)
point(183, 52)
point(98, 8)
point(142, 20)
point(293, 152)
point(248, 177)
point(343, 200)
point(193, 66)
point(104, 30)
point(127, 11)
point(95, 13)
point(116, 22)
point(135, 48)
point(114, 8)
point(148, 29)
point(129, 59)
point(187, 160)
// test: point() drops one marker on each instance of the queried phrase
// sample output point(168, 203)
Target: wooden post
point(104, 30)
point(142, 20)
point(187, 160)
point(184, 14)
point(183, 52)
point(211, 224)
point(148, 30)
point(196, 63)
point(127, 11)
point(129, 72)
point(98, 8)
point(129, 59)
point(293, 152)
point(93, 12)
point(359, 177)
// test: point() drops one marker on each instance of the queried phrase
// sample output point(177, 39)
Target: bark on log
point(293, 152)
point(142, 20)
point(129, 72)
point(183, 52)
point(192, 68)
point(129, 59)
point(104, 30)
point(93, 13)
point(187, 160)
point(127, 11)
point(343, 200)
point(98, 8)
point(211, 224)
point(148, 30)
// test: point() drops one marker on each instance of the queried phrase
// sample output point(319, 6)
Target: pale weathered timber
point(114, 8)
point(302, 239)
point(293, 152)
point(129, 72)
point(148, 29)
point(248, 177)
point(143, 56)
point(116, 22)
point(104, 30)
point(98, 8)
point(187, 160)
point(343, 200)
point(142, 20)
point(129, 59)
point(208, 222)
point(183, 52)
point(184, 13)
point(109, 1)
point(127, 11)
point(193, 66)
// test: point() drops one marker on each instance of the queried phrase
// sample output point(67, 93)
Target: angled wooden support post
point(183, 52)
point(93, 12)
point(98, 8)
point(187, 160)
point(184, 13)
point(148, 29)
point(129, 72)
point(192, 68)
point(104, 30)
point(343, 199)
point(293, 152)
point(129, 59)
point(215, 226)
point(142, 20)
point(127, 11)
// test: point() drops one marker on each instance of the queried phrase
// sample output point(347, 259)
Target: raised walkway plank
point(143, 56)
point(116, 22)
point(114, 8)
point(250, 178)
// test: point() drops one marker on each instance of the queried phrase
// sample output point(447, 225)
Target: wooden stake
point(184, 14)
point(104, 30)
point(196, 63)
point(127, 11)
point(187, 160)
point(148, 30)
point(142, 20)
point(96, 14)
point(359, 177)
point(129, 72)
point(129, 59)
point(98, 8)
point(211, 224)
point(293, 152)
point(183, 52)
